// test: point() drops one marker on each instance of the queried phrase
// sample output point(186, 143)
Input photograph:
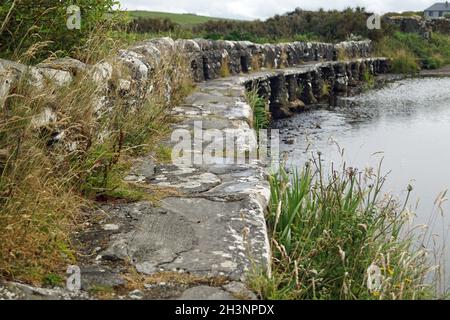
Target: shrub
point(45, 186)
point(332, 25)
point(152, 25)
point(37, 28)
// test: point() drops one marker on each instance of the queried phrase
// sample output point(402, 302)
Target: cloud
point(261, 9)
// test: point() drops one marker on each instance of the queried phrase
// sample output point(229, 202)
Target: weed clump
point(328, 231)
point(225, 68)
point(261, 116)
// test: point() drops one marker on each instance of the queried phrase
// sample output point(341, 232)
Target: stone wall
point(211, 59)
point(131, 72)
point(291, 90)
point(416, 24)
point(208, 60)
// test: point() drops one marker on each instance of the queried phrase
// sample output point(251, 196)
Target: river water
point(406, 123)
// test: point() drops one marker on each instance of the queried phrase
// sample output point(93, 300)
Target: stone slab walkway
point(212, 228)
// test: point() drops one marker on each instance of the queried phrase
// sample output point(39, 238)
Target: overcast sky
point(252, 9)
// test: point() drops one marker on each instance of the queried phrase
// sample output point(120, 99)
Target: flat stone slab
point(194, 235)
point(206, 293)
point(19, 291)
point(230, 291)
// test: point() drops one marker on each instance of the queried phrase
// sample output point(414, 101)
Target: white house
point(437, 10)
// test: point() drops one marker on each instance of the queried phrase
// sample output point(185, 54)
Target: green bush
point(404, 63)
point(300, 25)
point(35, 28)
point(410, 51)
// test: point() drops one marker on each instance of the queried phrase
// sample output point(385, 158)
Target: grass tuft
point(325, 89)
point(261, 116)
point(369, 79)
point(327, 230)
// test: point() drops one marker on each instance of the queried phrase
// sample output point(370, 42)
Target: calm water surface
point(407, 123)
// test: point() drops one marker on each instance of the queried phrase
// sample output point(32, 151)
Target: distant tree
point(332, 25)
point(151, 25)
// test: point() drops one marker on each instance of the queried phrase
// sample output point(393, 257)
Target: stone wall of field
point(207, 60)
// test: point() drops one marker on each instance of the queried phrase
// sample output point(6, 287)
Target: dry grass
point(45, 183)
point(342, 55)
point(284, 63)
point(103, 292)
point(256, 62)
point(225, 68)
point(325, 89)
point(138, 281)
point(38, 202)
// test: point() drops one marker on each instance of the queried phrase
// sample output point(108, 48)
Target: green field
point(180, 18)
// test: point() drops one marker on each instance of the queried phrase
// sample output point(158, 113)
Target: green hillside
point(180, 18)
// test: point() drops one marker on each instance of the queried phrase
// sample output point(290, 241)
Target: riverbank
point(441, 72)
point(383, 79)
point(411, 52)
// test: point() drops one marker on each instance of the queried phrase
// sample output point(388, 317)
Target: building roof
point(440, 6)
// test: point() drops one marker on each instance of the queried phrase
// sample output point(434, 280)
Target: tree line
point(331, 25)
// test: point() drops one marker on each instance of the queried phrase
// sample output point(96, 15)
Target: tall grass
point(411, 52)
point(225, 68)
point(34, 30)
point(369, 79)
point(45, 183)
point(261, 115)
point(327, 230)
